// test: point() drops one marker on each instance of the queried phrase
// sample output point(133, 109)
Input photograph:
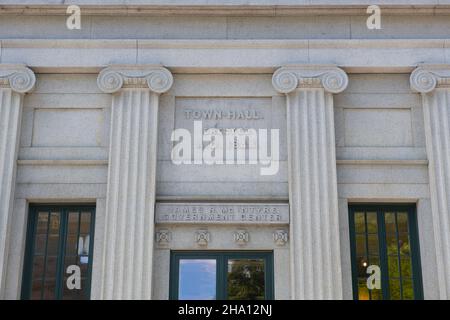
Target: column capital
point(333, 79)
point(425, 78)
point(17, 77)
point(113, 78)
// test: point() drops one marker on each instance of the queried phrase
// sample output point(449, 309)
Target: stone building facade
point(350, 198)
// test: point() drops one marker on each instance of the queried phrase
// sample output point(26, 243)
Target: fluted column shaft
point(15, 80)
point(314, 224)
point(433, 82)
point(129, 227)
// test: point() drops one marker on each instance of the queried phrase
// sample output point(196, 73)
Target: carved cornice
point(426, 78)
point(332, 79)
point(157, 79)
point(17, 77)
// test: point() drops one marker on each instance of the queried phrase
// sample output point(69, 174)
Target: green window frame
point(377, 237)
point(64, 249)
point(221, 258)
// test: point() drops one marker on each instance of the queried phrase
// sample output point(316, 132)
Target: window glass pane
point(403, 242)
point(362, 265)
point(363, 292)
point(53, 244)
point(42, 223)
point(85, 223)
point(373, 243)
point(72, 223)
point(372, 225)
point(50, 267)
point(36, 289)
point(71, 245)
point(360, 223)
point(54, 223)
point(83, 245)
point(197, 279)
point(49, 288)
point(374, 260)
point(391, 244)
point(402, 222)
point(246, 279)
point(360, 244)
point(39, 246)
point(406, 267)
point(394, 288)
point(376, 294)
point(393, 266)
point(408, 291)
point(38, 267)
point(389, 219)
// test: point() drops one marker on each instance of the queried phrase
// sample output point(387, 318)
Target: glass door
point(206, 275)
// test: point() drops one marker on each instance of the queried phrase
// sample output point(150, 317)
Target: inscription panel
point(223, 113)
point(214, 213)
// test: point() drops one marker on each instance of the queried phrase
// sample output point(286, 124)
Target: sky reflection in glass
point(197, 279)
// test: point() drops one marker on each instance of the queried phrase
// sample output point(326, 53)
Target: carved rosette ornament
point(163, 237)
point(202, 237)
point(289, 78)
point(17, 77)
point(241, 237)
point(157, 79)
point(280, 237)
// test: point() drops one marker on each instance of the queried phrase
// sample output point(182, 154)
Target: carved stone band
point(17, 77)
point(426, 78)
point(332, 79)
point(114, 78)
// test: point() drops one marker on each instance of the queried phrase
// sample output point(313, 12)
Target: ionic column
point(314, 228)
point(15, 81)
point(129, 226)
point(433, 82)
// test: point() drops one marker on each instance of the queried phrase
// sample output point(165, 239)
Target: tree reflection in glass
point(246, 279)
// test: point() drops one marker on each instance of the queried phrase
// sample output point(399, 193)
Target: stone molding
point(332, 79)
point(157, 79)
point(17, 77)
point(222, 8)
